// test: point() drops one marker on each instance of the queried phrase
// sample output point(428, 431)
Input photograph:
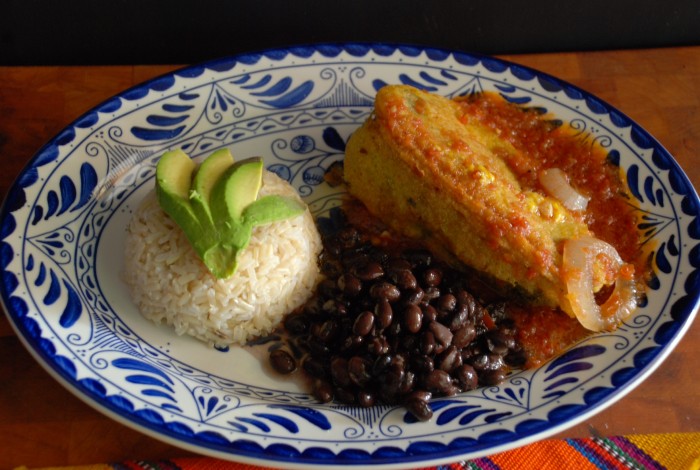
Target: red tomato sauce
point(542, 143)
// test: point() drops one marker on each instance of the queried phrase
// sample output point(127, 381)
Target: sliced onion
point(557, 185)
point(580, 258)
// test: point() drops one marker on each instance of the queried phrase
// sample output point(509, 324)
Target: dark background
point(46, 32)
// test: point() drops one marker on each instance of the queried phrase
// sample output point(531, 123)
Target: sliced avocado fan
point(216, 204)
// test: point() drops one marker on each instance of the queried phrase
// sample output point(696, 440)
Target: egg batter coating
point(428, 172)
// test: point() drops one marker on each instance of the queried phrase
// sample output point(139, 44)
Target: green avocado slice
point(174, 179)
point(236, 188)
point(205, 178)
point(217, 205)
point(270, 209)
point(173, 182)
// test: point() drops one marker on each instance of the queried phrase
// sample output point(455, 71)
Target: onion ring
point(584, 260)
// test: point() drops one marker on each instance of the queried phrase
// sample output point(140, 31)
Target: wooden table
point(42, 424)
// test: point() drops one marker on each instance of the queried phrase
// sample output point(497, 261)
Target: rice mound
point(276, 273)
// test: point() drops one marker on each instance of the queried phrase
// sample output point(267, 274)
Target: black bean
point(358, 369)
point(443, 335)
point(496, 362)
point(465, 298)
point(408, 382)
point(438, 381)
point(390, 383)
point(282, 361)
point(429, 314)
point(354, 258)
point(449, 359)
point(341, 309)
point(399, 361)
point(422, 363)
point(349, 284)
point(384, 313)
point(419, 408)
point(344, 395)
point(385, 290)
point(482, 362)
point(467, 301)
point(413, 296)
point(329, 265)
point(404, 279)
point(369, 271)
point(492, 377)
point(339, 371)
point(432, 277)
point(395, 264)
point(458, 319)
point(447, 302)
point(317, 346)
point(420, 395)
point(393, 328)
point(322, 391)
point(474, 348)
point(352, 343)
point(516, 358)
point(297, 324)
point(413, 318)
point(313, 308)
point(431, 293)
point(363, 323)
point(378, 346)
point(498, 342)
point(325, 331)
point(428, 343)
point(479, 361)
point(463, 336)
point(327, 288)
point(366, 398)
point(381, 364)
point(467, 377)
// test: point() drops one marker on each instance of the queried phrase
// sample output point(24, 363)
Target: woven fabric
point(637, 452)
point(657, 451)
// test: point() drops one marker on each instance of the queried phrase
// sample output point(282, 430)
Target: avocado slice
point(270, 209)
point(205, 178)
point(237, 188)
point(222, 261)
point(217, 204)
point(173, 181)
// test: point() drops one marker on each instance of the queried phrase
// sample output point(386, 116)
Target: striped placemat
point(644, 451)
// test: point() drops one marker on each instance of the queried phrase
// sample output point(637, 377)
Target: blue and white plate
point(64, 220)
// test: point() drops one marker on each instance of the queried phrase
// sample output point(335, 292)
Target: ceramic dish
point(63, 227)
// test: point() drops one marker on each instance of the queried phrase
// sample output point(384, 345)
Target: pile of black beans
point(393, 327)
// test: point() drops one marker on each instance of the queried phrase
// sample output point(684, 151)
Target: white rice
point(276, 273)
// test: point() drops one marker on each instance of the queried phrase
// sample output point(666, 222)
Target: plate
point(63, 227)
